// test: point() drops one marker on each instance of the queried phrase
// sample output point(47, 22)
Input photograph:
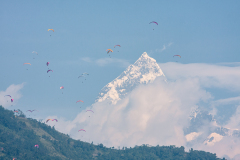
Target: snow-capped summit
point(143, 71)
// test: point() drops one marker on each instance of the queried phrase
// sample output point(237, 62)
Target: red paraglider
point(79, 101)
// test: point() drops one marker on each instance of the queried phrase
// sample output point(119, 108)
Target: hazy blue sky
point(201, 32)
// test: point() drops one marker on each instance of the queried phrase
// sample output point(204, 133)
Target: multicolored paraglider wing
point(36, 146)
point(55, 120)
point(48, 120)
point(79, 101)
point(109, 50)
point(50, 30)
point(61, 87)
point(11, 100)
point(81, 130)
point(47, 63)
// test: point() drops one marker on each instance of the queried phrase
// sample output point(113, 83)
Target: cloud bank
point(157, 113)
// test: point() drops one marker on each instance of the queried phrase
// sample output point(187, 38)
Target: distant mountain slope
point(19, 135)
point(143, 71)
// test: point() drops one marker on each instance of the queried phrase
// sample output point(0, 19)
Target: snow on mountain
point(143, 71)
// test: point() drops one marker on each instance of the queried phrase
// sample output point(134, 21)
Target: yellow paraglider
point(109, 50)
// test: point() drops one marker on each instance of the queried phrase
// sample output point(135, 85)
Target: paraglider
point(36, 145)
point(117, 45)
point(35, 52)
point(49, 70)
point(27, 63)
point(62, 88)
point(81, 130)
point(83, 75)
point(55, 120)
point(109, 50)
point(154, 22)
point(31, 110)
point(11, 100)
point(90, 111)
point(50, 30)
point(79, 101)
point(48, 120)
point(15, 111)
point(47, 63)
point(177, 55)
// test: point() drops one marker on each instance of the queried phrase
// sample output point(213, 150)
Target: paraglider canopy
point(81, 130)
point(79, 101)
point(50, 30)
point(35, 52)
point(55, 120)
point(48, 120)
point(49, 70)
point(154, 22)
point(177, 55)
point(90, 111)
point(27, 63)
point(117, 45)
point(109, 50)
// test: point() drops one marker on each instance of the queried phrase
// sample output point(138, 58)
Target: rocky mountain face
point(143, 71)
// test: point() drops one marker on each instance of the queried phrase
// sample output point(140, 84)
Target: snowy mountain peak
point(145, 56)
point(143, 71)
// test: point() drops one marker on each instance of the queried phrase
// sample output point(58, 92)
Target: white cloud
point(152, 114)
point(234, 122)
point(227, 146)
point(14, 91)
point(208, 75)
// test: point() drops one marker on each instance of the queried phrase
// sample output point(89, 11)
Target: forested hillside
point(25, 138)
